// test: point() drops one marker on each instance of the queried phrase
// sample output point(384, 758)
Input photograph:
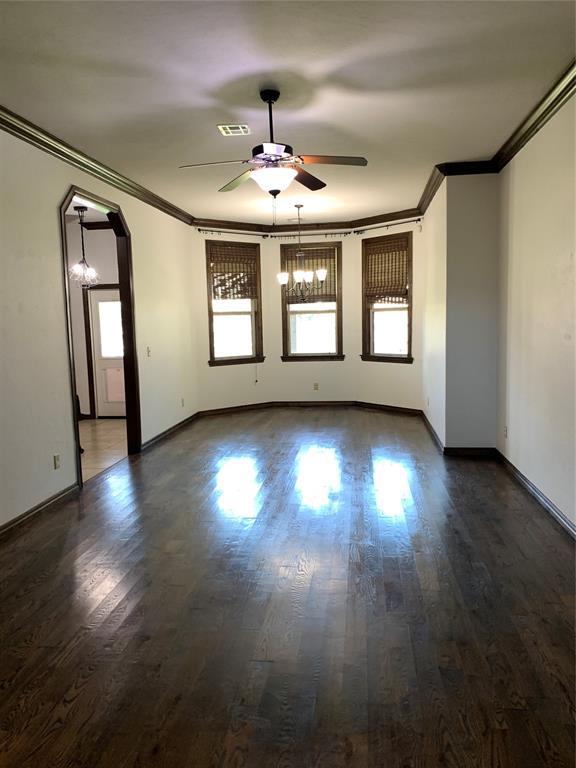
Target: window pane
point(390, 331)
point(232, 305)
point(233, 335)
point(312, 333)
point(110, 317)
point(386, 305)
point(315, 306)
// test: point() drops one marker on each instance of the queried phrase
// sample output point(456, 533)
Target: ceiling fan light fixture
point(274, 177)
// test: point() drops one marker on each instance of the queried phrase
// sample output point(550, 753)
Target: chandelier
point(82, 272)
point(302, 281)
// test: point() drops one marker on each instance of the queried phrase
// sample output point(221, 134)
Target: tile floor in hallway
point(104, 443)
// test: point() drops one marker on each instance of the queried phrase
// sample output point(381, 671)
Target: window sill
point(236, 361)
point(314, 358)
point(388, 358)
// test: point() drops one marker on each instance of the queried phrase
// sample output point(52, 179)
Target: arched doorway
point(106, 216)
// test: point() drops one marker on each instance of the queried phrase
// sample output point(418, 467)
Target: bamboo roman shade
point(310, 259)
point(232, 269)
point(387, 268)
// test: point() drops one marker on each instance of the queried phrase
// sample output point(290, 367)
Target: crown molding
point(23, 129)
point(432, 186)
point(554, 100)
point(467, 168)
point(320, 226)
point(439, 172)
point(556, 97)
point(382, 218)
point(241, 226)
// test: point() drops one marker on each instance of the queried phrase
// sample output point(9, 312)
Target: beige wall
point(472, 310)
point(434, 313)
point(35, 401)
point(537, 388)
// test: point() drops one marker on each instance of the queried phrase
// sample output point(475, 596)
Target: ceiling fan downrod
point(270, 96)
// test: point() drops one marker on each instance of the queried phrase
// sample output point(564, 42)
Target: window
point(387, 298)
point(110, 316)
point(312, 323)
point(234, 315)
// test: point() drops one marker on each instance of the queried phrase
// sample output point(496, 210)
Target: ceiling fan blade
point(236, 182)
point(332, 160)
point(221, 162)
point(305, 178)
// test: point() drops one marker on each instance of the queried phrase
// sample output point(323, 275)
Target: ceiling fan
point(274, 166)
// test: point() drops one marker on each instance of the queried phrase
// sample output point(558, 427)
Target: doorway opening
point(101, 338)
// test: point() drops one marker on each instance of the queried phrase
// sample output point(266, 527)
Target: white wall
point(472, 311)
point(351, 379)
point(100, 246)
point(537, 388)
point(35, 399)
point(434, 313)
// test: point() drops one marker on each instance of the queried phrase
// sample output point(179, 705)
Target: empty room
point(287, 384)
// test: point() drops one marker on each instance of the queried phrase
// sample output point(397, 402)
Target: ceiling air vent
point(234, 130)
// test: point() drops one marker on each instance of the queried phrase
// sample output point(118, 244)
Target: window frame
point(286, 356)
point(256, 313)
point(367, 312)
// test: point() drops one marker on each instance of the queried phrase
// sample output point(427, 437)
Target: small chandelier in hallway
point(301, 282)
point(82, 272)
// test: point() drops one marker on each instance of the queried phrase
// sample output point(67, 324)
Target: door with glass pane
point(108, 352)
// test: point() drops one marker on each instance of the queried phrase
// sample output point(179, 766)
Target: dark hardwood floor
point(292, 587)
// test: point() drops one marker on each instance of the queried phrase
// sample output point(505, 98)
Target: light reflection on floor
point(391, 487)
point(318, 484)
point(318, 476)
point(238, 487)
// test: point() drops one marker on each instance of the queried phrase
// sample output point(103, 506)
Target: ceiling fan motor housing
point(271, 153)
point(269, 95)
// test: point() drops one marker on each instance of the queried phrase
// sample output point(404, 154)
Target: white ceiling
point(141, 86)
point(94, 212)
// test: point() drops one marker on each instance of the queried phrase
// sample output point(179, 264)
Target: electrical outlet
point(182, 402)
point(316, 386)
point(56, 460)
point(505, 431)
point(148, 352)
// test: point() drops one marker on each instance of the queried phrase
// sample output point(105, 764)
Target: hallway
point(104, 444)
